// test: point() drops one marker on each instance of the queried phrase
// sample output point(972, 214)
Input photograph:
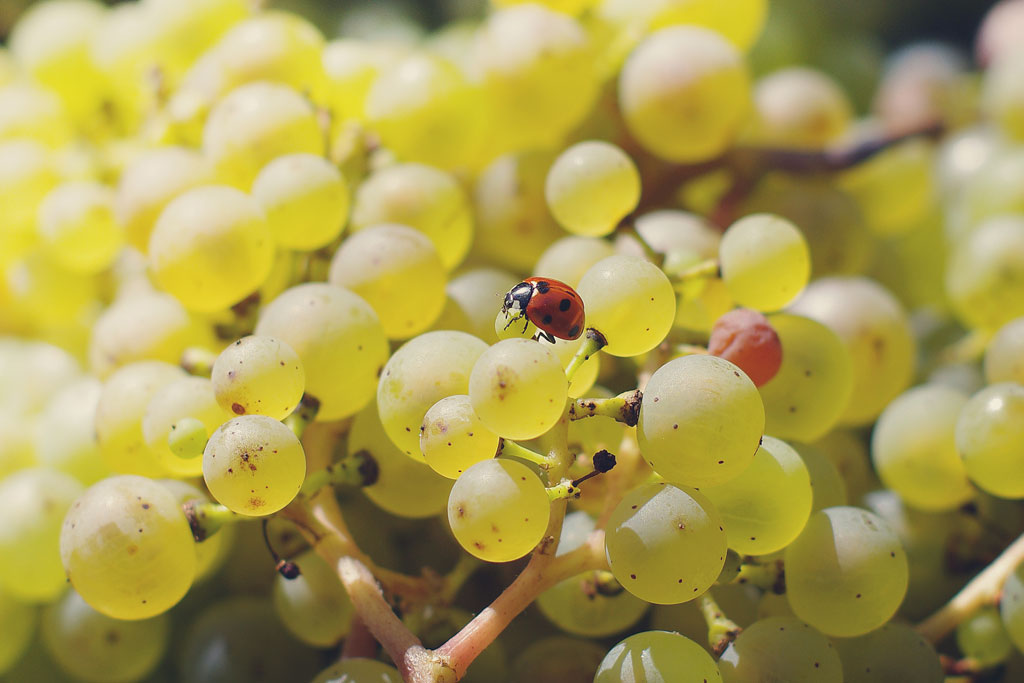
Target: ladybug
point(554, 307)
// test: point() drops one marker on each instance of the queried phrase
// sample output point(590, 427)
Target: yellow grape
point(65, 436)
point(657, 656)
point(351, 66)
point(188, 397)
point(305, 198)
point(1002, 98)
point(895, 651)
point(569, 258)
point(27, 173)
point(258, 375)
point(254, 465)
point(213, 551)
point(339, 340)
point(478, 294)
point(586, 374)
point(453, 437)
point(630, 301)
point(398, 272)
point(799, 107)
point(740, 21)
point(356, 669)
point(28, 111)
point(119, 570)
point(985, 274)
point(895, 188)
point(518, 388)
point(314, 605)
point(48, 293)
point(498, 510)
point(573, 7)
point(788, 648)
point(1004, 356)
point(76, 221)
point(827, 482)
point(684, 92)
point(211, 247)
point(765, 261)
point(990, 439)
point(591, 186)
point(189, 27)
point(19, 620)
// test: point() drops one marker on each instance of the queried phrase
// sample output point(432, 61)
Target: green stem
point(511, 448)
point(625, 407)
point(593, 341)
point(705, 270)
point(205, 518)
point(359, 469)
point(689, 350)
point(198, 361)
point(766, 576)
point(721, 629)
point(303, 414)
point(454, 580)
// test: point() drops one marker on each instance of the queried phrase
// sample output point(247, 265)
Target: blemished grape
point(305, 199)
point(358, 669)
point(766, 506)
point(498, 510)
point(657, 656)
point(665, 544)
point(990, 438)
point(338, 338)
point(94, 647)
point(1011, 606)
point(569, 258)
point(985, 274)
point(19, 620)
point(314, 605)
point(398, 272)
point(782, 649)
point(65, 437)
point(453, 437)
point(211, 247)
point(127, 548)
point(424, 370)
point(254, 465)
point(701, 421)
point(746, 339)
point(894, 653)
point(591, 186)
point(630, 301)
point(422, 197)
point(1004, 356)
point(258, 375)
point(799, 107)
point(76, 221)
point(33, 502)
point(765, 261)
point(982, 638)
point(684, 92)
point(846, 574)
point(518, 388)
point(188, 397)
point(914, 450)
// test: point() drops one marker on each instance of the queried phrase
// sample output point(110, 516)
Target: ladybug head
point(518, 297)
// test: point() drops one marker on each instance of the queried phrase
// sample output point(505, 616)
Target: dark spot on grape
point(145, 506)
point(735, 373)
point(721, 462)
point(632, 576)
point(479, 545)
point(634, 507)
point(238, 408)
point(857, 596)
point(112, 637)
point(675, 426)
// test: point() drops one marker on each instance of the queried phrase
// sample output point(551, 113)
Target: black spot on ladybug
point(574, 330)
point(547, 319)
point(564, 305)
point(543, 287)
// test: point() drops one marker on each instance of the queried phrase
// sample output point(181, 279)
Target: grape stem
point(983, 589)
point(359, 469)
point(303, 415)
point(690, 350)
point(197, 361)
point(511, 448)
point(205, 518)
point(625, 407)
point(704, 270)
point(593, 341)
point(359, 642)
point(768, 576)
point(721, 629)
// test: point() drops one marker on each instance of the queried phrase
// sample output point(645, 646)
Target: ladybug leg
point(526, 324)
point(545, 335)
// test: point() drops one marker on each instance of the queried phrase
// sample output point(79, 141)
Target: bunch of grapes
point(577, 341)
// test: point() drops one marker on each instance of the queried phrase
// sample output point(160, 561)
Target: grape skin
point(657, 656)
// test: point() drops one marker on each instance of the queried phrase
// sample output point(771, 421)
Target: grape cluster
point(325, 359)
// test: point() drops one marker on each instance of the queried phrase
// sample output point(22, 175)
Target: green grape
point(144, 325)
point(894, 653)
point(76, 221)
point(767, 505)
point(94, 647)
point(578, 606)
point(874, 327)
point(701, 421)
point(657, 657)
point(566, 660)
point(351, 65)
point(27, 173)
point(32, 504)
point(827, 483)
point(765, 261)
point(914, 450)
point(527, 53)
point(982, 638)
point(211, 247)
point(990, 438)
point(518, 388)
point(1004, 356)
point(669, 231)
point(846, 574)
point(486, 505)
point(188, 397)
point(258, 375)
point(799, 107)
point(426, 110)
point(424, 370)
point(305, 198)
point(255, 124)
point(774, 605)
point(1002, 96)
point(569, 258)
point(398, 272)
point(18, 621)
point(895, 189)
point(630, 301)
point(780, 649)
point(261, 465)
point(985, 276)
point(1011, 606)
point(122, 404)
point(338, 338)
point(241, 639)
point(149, 183)
point(591, 186)
point(422, 197)
point(993, 190)
point(478, 294)
point(358, 670)
point(665, 544)
point(405, 487)
point(127, 548)
point(684, 92)
point(313, 606)
point(65, 436)
point(453, 437)
point(508, 199)
point(213, 551)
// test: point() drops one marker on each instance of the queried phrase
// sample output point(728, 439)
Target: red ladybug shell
point(553, 306)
